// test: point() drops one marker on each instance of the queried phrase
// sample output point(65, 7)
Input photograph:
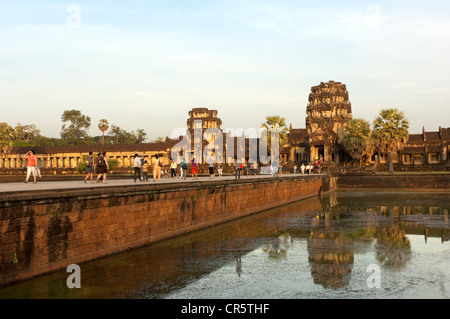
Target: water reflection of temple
point(330, 254)
point(333, 231)
point(425, 214)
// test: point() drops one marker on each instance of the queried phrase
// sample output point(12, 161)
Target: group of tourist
point(310, 168)
point(250, 169)
point(141, 168)
point(100, 166)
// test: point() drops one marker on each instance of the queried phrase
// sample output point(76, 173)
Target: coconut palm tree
point(278, 123)
point(390, 133)
point(358, 140)
point(103, 126)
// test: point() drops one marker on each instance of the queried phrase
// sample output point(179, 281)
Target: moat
point(322, 247)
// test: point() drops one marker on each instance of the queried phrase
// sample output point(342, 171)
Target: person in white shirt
point(211, 167)
point(137, 168)
point(173, 169)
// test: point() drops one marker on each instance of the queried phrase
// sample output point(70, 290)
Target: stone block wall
point(424, 182)
point(47, 231)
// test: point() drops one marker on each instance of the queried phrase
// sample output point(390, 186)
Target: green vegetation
point(103, 126)
point(6, 139)
point(75, 126)
point(74, 131)
point(389, 136)
point(58, 213)
point(358, 140)
point(390, 133)
point(272, 123)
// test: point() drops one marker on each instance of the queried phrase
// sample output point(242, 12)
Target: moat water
point(377, 245)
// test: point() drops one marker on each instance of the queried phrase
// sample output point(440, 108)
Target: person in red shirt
point(31, 165)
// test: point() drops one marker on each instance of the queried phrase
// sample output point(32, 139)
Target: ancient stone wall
point(47, 231)
point(386, 182)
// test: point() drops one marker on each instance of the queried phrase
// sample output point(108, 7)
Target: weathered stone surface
point(44, 231)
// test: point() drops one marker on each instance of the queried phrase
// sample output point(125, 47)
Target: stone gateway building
point(328, 111)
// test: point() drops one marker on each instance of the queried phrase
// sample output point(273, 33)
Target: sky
point(145, 64)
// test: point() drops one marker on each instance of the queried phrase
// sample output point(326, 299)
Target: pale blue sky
point(145, 64)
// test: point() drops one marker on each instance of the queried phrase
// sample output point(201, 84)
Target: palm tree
point(103, 126)
point(390, 133)
point(358, 140)
point(276, 122)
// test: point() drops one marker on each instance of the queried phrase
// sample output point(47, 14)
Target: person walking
point(145, 171)
point(137, 164)
point(194, 168)
point(220, 170)
point(183, 168)
point(302, 168)
point(295, 169)
point(255, 167)
point(89, 168)
point(173, 169)
point(157, 167)
point(31, 165)
point(248, 168)
point(102, 167)
point(211, 167)
point(274, 169)
point(238, 167)
point(142, 164)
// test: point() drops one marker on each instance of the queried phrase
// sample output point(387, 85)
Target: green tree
point(49, 141)
point(121, 136)
point(159, 139)
point(26, 134)
point(103, 126)
point(75, 126)
point(390, 133)
point(275, 122)
point(118, 134)
point(358, 140)
point(141, 136)
point(6, 139)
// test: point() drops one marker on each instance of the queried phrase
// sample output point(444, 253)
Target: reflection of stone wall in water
point(330, 257)
point(393, 248)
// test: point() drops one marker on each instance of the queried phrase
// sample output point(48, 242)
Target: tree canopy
point(272, 123)
point(358, 140)
point(103, 126)
point(390, 132)
point(6, 139)
point(75, 126)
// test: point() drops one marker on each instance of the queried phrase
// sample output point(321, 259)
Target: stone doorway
point(319, 151)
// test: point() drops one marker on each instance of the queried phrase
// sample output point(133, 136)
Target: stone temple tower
point(205, 119)
point(329, 110)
